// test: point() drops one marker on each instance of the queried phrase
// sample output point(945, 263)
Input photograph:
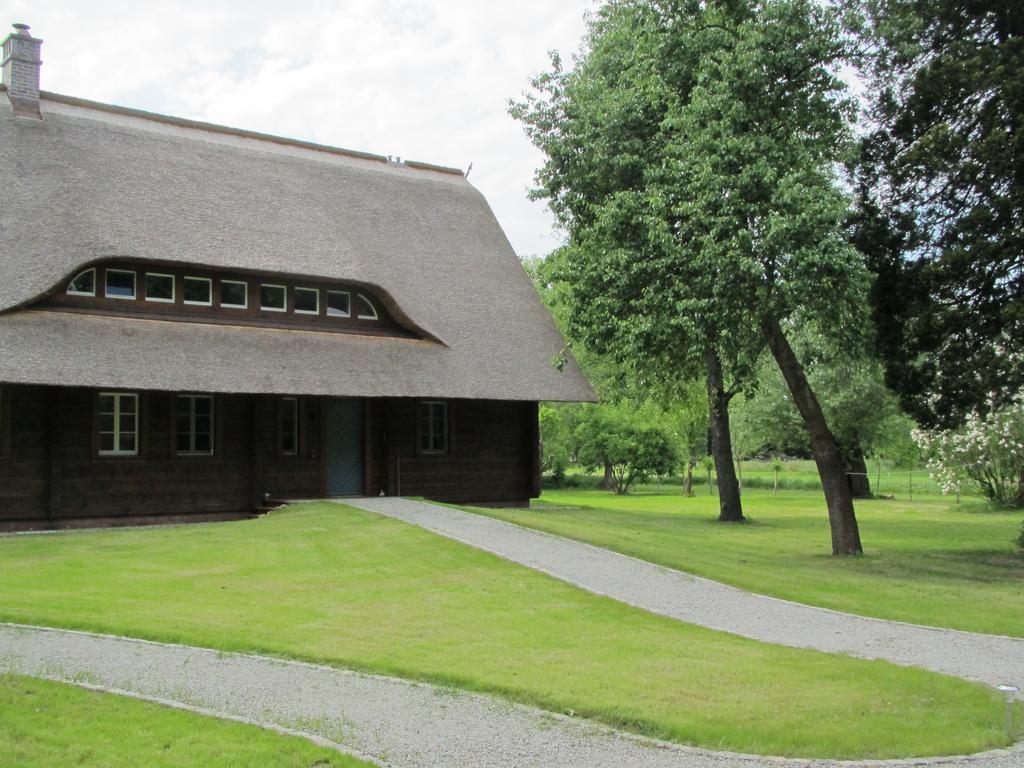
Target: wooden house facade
point(196, 321)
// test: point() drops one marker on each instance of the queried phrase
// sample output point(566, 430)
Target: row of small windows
point(118, 417)
point(118, 425)
point(234, 294)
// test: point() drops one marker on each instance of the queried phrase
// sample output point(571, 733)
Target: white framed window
point(339, 304)
point(234, 294)
point(288, 427)
point(433, 426)
point(118, 424)
point(193, 425)
point(120, 284)
point(159, 287)
point(307, 301)
point(83, 284)
point(364, 308)
point(273, 298)
point(198, 291)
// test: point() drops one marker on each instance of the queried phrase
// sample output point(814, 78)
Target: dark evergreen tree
point(942, 200)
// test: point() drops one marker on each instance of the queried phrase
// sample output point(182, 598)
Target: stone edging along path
point(989, 659)
point(394, 723)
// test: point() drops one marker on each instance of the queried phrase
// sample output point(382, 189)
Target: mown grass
point(337, 585)
point(928, 561)
point(45, 724)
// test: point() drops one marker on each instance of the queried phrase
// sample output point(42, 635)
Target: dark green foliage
point(566, 428)
point(690, 156)
point(948, 94)
point(863, 413)
point(557, 442)
point(632, 449)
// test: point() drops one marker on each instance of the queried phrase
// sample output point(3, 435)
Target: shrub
point(632, 451)
point(558, 474)
point(987, 452)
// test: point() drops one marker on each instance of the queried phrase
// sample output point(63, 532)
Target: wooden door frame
point(367, 446)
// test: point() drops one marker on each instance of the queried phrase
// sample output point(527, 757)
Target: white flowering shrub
point(985, 454)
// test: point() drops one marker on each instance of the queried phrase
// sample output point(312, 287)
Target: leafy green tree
point(634, 450)
point(863, 413)
point(689, 415)
point(604, 375)
point(691, 156)
point(682, 411)
point(708, 465)
point(776, 464)
point(947, 93)
point(558, 448)
point(747, 441)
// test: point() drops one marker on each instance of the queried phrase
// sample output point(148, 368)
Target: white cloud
point(422, 80)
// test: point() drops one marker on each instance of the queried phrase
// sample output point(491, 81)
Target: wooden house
point(196, 319)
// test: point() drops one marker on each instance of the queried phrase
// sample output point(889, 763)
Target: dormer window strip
point(199, 291)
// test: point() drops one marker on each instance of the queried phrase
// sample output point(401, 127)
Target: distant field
point(798, 475)
point(45, 725)
point(803, 475)
point(927, 561)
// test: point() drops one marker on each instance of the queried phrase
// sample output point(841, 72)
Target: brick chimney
point(20, 61)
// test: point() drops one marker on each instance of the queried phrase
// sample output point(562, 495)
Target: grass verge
point(333, 584)
point(45, 724)
point(928, 561)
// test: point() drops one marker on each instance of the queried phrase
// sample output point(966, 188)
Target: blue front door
point(344, 459)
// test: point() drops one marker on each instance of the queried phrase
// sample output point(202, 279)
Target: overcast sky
point(418, 79)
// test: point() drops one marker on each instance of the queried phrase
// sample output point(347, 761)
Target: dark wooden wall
point(23, 452)
point(287, 477)
point(51, 475)
point(492, 454)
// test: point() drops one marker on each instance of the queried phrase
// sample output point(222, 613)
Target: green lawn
point(45, 724)
point(928, 561)
point(333, 584)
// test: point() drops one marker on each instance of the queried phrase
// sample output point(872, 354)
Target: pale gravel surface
point(989, 659)
point(393, 722)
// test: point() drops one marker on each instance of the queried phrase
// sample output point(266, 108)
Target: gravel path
point(392, 722)
point(990, 659)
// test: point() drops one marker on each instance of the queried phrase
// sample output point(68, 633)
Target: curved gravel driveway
point(989, 659)
point(392, 722)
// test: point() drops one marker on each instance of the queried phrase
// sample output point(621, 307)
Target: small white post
point(1010, 691)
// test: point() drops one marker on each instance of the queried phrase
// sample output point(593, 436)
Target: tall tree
point(691, 155)
point(862, 412)
point(563, 426)
point(948, 97)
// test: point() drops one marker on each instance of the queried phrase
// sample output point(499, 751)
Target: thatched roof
point(93, 182)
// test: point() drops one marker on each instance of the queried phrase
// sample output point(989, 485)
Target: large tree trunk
point(841, 517)
point(608, 482)
point(857, 474)
point(729, 505)
point(688, 480)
